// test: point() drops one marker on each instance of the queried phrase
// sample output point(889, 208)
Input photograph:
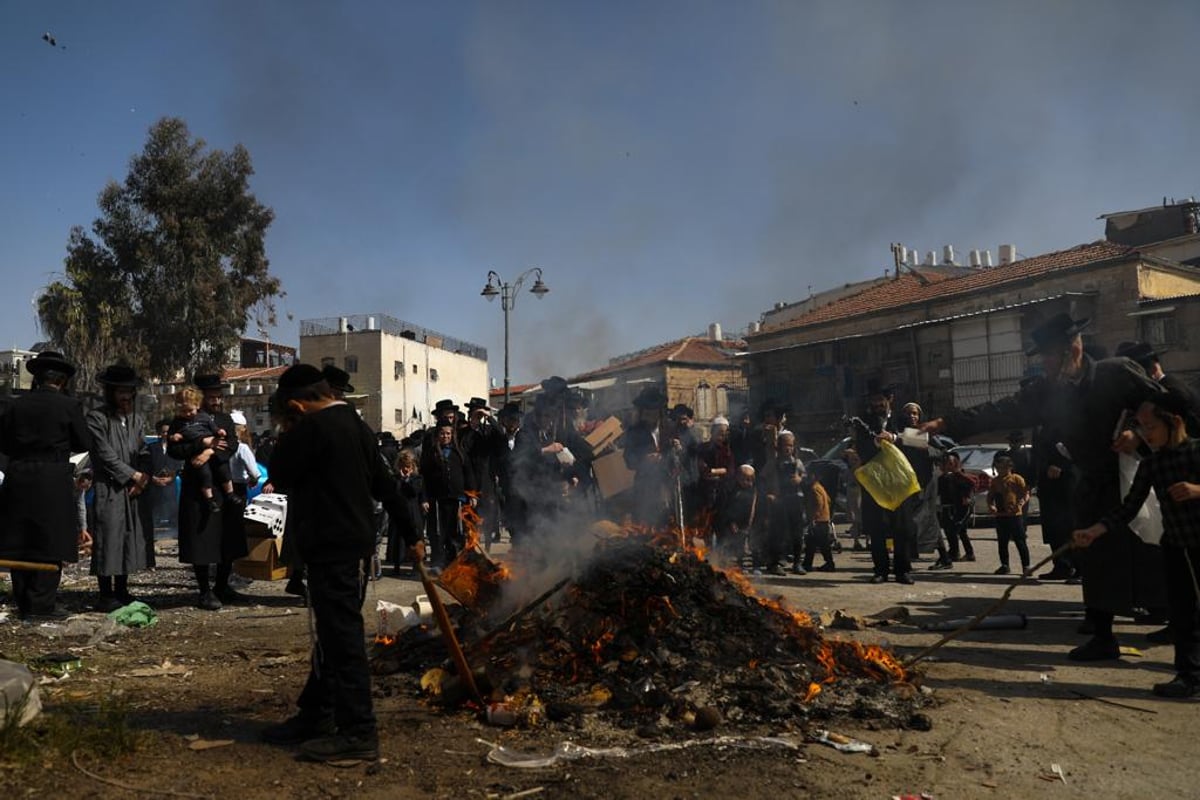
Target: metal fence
point(362, 323)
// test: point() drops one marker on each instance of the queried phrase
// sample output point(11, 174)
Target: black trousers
point(954, 525)
point(445, 533)
point(1012, 529)
point(880, 525)
point(818, 541)
point(339, 681)
point(35, 591)
point(1181, 597)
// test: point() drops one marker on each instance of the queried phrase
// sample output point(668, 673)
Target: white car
point(977, 463)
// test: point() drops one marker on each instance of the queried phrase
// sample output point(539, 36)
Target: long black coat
point(205, 537)
point(1120, 572)
point(38, 519)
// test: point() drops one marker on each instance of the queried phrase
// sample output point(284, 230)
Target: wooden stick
point(971, 623)
point(443, 620)
point(39, 566)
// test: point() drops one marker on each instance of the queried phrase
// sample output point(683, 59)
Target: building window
point(399, 416)
point(704, 401)
point(1158, 330)
point(328, 361)
point(433, 376)
point(414, 369)
point(398, 371)
point(351, 364)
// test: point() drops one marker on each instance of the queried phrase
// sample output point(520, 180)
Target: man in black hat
point(480, 441)
point(544, 472)
point(1083, 401)
point(646, 451)
point(338, 380)
point(878, 523)
point(38, 433)
point(448, 478)
point(686, 447)
point(207, 536)
point(328, 466)
point(512, 506)
point(1150, 360)
point(122, 542)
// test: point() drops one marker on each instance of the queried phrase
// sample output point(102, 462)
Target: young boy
point(1173, 471)
point(192, 425)
point(736, 517)
point(1006, 499)
point(412, 490)
point(819, 516)
point(955, 490)
point(328, 464)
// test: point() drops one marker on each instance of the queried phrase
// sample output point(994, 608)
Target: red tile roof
point(920, 286)
point(689, 350)
point(513, 390)
point(247, 373)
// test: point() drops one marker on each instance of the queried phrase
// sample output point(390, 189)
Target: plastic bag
point(1148, 522)
point(19, 697)
point(888, 477)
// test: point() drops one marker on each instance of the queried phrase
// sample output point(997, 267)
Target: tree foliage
point(175, 265)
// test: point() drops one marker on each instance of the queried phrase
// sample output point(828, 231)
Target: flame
point(597, 647)
point(814, 689)
point(384, 640)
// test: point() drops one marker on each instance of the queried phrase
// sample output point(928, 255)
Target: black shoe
point(799, 570)
point(1075, 578)
point(858, 547)
point(109, 603)
point(208, 602)
point(55, 614)
point(126, 598)
point(295, 585)
point(1096, 649)
point(1087, 628)
point(879, 579)
point(1160, 636)
point(1180, 686)
point(826, 567)
point(968, 557)
point(228, 596)
point(1155, 616)
point(941, 565)
point(905, 579)
point(341, 747)
point(298, 730)
point(236, 500)
point(1003, 570)
point(1056, 574)
point(776, 570)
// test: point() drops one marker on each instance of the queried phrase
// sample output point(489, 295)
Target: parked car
point(977, 463)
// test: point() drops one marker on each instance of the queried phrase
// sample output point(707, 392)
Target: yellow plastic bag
point(888, 477)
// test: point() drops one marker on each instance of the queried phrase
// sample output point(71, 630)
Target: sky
point(666, 163)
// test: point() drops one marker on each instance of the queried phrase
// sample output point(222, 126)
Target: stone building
point(948, 340)
point(399, 370)
point(704, 372)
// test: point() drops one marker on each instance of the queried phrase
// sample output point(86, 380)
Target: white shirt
point(243, 466)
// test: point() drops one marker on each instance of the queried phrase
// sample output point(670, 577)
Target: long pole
point(505, 295)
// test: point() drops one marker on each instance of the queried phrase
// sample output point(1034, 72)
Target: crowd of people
point(744, 489)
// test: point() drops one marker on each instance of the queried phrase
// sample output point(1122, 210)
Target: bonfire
point(644, 630)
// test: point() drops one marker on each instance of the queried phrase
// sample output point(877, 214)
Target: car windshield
point(979, 458)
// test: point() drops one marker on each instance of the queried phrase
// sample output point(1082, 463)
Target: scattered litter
point(569, 751)
point(1044, 678)
point(19, 692)
point(921, 796)
point(1131, 651)
point(57, 665)
point(842, 620)
point(842, 743)
point(134, 615)
point(208, 744)
point(998, 622)
point(1058, 770)
point(164, 669)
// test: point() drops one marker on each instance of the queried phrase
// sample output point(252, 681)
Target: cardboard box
point(612, 476)
point(604, 435)
point(262, 563)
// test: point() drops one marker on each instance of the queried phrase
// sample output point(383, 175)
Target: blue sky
point(668, 164)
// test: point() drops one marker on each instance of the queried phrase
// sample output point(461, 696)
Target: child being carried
point(193, 425)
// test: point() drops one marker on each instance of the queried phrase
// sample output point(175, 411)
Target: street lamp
point(507, 292)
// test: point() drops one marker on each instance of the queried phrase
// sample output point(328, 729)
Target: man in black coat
point(1150, 360)
point(207, 537)
point(448, 477)
point(38, 433)
point(480, 441)
point(161, 490)
point(1084, 402)
point(328, 464)
point(646, 454)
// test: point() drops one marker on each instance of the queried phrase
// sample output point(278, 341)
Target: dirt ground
point(1007, 705)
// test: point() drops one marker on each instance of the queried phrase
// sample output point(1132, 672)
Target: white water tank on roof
point(714, 332)
point(987, 258)
point(930, 258)
point(973, 259)
point(948, 254)
point(1008, 253)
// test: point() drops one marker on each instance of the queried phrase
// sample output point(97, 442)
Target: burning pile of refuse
point(646, 631)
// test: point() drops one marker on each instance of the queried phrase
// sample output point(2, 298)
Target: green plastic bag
point(888, 477)
point(134, 615)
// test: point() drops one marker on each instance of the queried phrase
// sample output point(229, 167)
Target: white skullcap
point(720, 421)
point(238, 418)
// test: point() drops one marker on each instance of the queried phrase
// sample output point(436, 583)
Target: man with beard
point(646, 452)
point(879, 524)
point(120, 459)
point(479, 440)
point(207, 537)
point(716, 468)
point(1084, 401)
point(38, 522)
point(512, 506)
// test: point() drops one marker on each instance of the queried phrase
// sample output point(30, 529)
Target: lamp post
point(507, 292)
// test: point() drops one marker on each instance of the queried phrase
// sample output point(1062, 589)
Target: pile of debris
point(650, 633)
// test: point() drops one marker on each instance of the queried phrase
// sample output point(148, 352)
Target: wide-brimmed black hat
point(337, 378)
point(475, 403)
point(877, 387)
point(650, 397)
point(50, 360)
point(682, 410)
point(1172, 403)
point(1055, 332)
point(296, 376)
point(1141, 352)
point(554, 386)
point(442, 406)
point(210, 381)
point(576, 399)
point(511, 410)
point(121, 375)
